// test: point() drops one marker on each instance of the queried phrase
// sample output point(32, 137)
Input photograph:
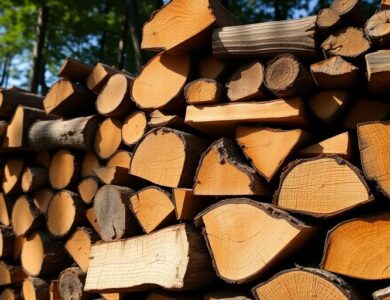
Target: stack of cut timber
point(204, 177)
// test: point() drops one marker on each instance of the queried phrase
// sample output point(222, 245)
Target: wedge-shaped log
point(303, 283)
point(322, 187)
point(10, 99)
point(71, 284)
point(10, 274)
point(35, 289)
point(268, 148)
point(191, 22)
point(267, 39)
point(75, 70)
point(256, 225)
point(161, 119)
point(99, 77)
point(64, 169)
point(26, 217)
point(203, 91)
point(167, 157)
point(344, 247)
point(108, 138)
point(351, 11)
point(75, 133)
point(212, 68)
point(188, 205)
point(7, 240)
point(87, 188)
point(42, 198)
point(376, 28)
point(328, 20)
point(134, 127)
point(223, 171)
point(177, 253)
point(153, 208)
point(117, 175)
point(12, 175)
point(150, 92)
point(378, 72)
point(34, 178)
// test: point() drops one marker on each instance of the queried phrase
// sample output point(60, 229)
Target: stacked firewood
point(244, 161)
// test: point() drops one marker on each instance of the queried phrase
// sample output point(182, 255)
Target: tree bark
point(122, 46)
point(135, 31)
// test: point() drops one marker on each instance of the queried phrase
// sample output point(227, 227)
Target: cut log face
point(11, 274)
point(121, 159)
point(378, 72)
point(99, 77)
point(262, 222)
point(10, 99)
point(89, 163)
point(375, 153)
point(141, 259)
point(223, 171)
point(26, 216)
point(328, 20)
point(246, 83)
point(161, 119)
point(167, 157)
point(134, 127)
point(349, 43)
point(34, 178)
point(337, 186)
point(87, 189)
point(42, 198)
point(12, 175)
point(71, 284)
point(90, 214)
point(203, 91)
point(302, 284)
point(150, 92)
point(212, 68)
point(176, 17)
point(35, 289)
point(63, 170)
point(377, 30)
point(116, 176)
point(334, 73)
point(268, 148)
point(108, 138)
point(153, 208)
point(344, 247)
point(75, 70)
point(351, 11)
point(188, 205)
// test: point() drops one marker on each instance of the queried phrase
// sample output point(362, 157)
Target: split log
point(116, 175)
point(374, 149)
point(42, 198)
point(121, 158)
point(12, 176)
point(11, 294)
point(223, 171)
point(376, 28)
point(64, 212)
point(43, 158)
point(89, 163)
point(43, 255)
point(265, 40)
point(7, 241)
point(304, 283)
point(188, 205)
point(76, 133)
point(79, 246)
point(69, 99)
point(212, 68)
point(26, 217)
point(71, 284)
point(167, 157)
point(203, 91)
point(114, 99)
point(90, 214)
point(34, 178)
point(385, 4)
point(153, 208)
point(341, 145)
point(337, 186)
point(54, 291)
point(338, 257)
point(87, 188)
point(75, 70)
point(6, 205)
point(334, 73)
point(160, 119)
point(192, 23)
point(351, 11)
point(349, 43)
point(177, 253)
point(149, 92)
point(382, 294)
point(64, 169)
point(35, 289)
point(286, 76)
point(111, 205)
point(99, 77)
point(328, 20)
point(134, 127)
point(10, 274)
point(246, 83)
point(10, 99)
point(256, 225)
point(268, 148)
point(378, 72)
point(108, 138)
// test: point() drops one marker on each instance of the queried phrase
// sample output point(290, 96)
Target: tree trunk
point(135, 31)
point(4, 71)
point(106, 9)
point(122, 47)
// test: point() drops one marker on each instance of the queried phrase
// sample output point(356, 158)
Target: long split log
point(75, 70)
point(10, 99)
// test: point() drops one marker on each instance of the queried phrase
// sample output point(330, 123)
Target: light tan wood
point(42, 198)
point(89, 163)
point(10, 274)
point(34, 178)
point(377, 30)
point(90, 214)
point(161, 119)
point(351, 11)
point(99, 76)
point(12, 175)
point(6, 205)
point(134, 127)
point(64, 169)
point(75, 70)
point(188, 205)
point(87, 188)
point(121, 159)
point(203, 91)
point(212, 68)
point(35, 289)
point(378, 72)
point(328, 20)
point(26, 217)
point(117, 176)
point(108, 138)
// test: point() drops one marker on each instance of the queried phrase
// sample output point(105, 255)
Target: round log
point(63, 170)
point(35, 289)
point(108, 138)
point(377, 28)
point(34, 178)
point(134, 127)
point(87, 188)
point(328, 20)
point(26, 217)
point(89, 163)
point(12, 175)
point(71, 284)
point(203, 91)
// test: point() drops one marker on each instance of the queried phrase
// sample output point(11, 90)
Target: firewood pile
point(243, 162)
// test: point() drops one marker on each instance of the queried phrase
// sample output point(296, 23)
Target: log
point(108, 138)
point(114, 99)
point(334, 73)
point(161, 119)
point(177, 253)
point(43, 255)
point(90, 214)
point(111, 205)
point(268, 148)
point(12, 176)
point(349, 43)
point(79, 246)
point(255, 227)
point(71, 284)
point(10, 294)
point(385, 4)
point(246, 83)
point(116, 175)
point(286, 76)
point(54, 291)
point(338, 257)
point(351, 11)
point(99, 77)
point(192, 23)
point(26, 217)
point(64, 169)
point(75, 70)
point(43, 158)
point(222, 171)
point(304, 283)
point(265, 40)
point(203, 91)
point(376, 28)
point(188, 205)
point(75, 133)
point(89, 163)
point(42, 198)
point(10, 274)
point(67, 99)
point(381, 294)
point(149, 92)
point(374, 153)
point(10, 99)
point(212, 68)
point(87, 188)
point(153, 208)
point(64, 212)
point(337, 186)
point(7, 241)
point(163, 150)
point(34, 178)
point(378, 72)
point(328, 20)
point(35, 288)
point(6, 205)
point(121, 158)
point(134, 127)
